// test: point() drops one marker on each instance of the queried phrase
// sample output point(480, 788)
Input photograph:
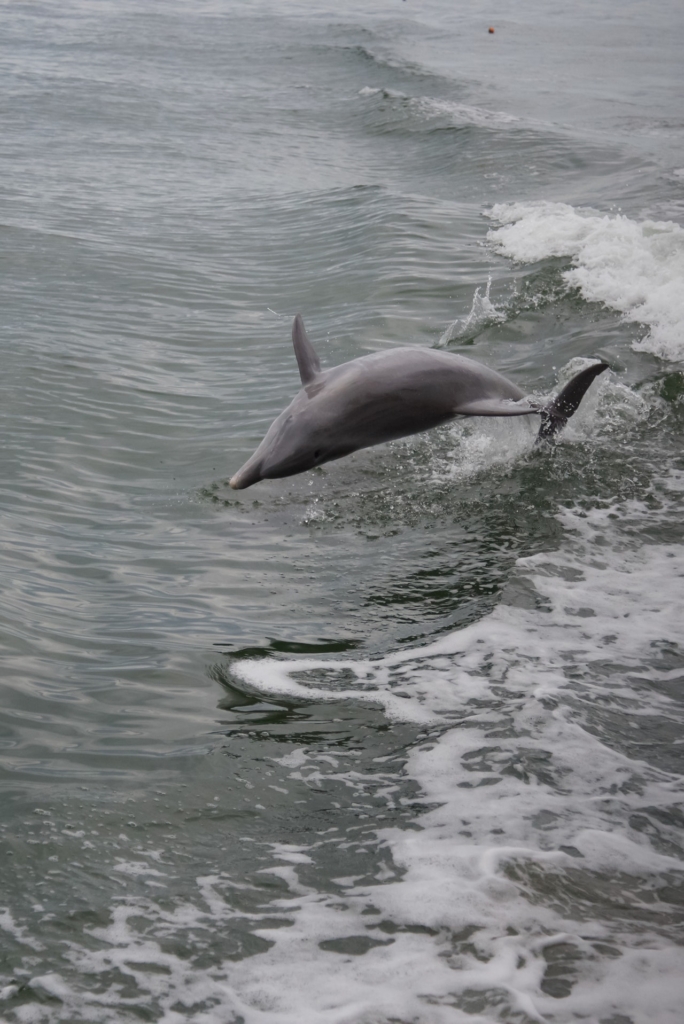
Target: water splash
point(483, 313)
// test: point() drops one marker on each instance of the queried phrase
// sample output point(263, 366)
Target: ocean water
point(397, 741)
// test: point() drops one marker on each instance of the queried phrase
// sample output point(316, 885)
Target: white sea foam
point(8, 924)
point(462, 114)
point(634, 267)
point(390, 94)
point(427, 108)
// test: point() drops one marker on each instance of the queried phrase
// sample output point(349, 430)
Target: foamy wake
point(530, 891)
point(634, 267)
point(531, 809)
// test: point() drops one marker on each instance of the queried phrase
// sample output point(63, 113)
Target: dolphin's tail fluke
point(556, 414)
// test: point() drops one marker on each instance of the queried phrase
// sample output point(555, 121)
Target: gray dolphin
point(387, 395)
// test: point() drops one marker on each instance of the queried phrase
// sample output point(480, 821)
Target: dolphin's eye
point(318, 453)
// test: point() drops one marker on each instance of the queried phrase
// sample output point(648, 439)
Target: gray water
point(397, 740)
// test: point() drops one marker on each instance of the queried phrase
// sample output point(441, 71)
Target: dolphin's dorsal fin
point(307, 360)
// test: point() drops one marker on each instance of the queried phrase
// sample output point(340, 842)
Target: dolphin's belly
point(398, 413)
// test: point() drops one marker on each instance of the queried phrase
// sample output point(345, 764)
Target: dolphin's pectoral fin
point(556, 414)
point(495, 407)
point(307, 360)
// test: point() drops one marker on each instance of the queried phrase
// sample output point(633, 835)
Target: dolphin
point(387, 395)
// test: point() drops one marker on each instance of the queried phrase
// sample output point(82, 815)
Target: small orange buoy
point(491, 31)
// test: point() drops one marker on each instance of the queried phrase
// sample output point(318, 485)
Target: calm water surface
point(398, 740)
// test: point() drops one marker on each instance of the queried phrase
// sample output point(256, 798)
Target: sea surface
point(398, 740)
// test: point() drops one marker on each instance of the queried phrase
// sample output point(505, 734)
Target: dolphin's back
point(402, 391)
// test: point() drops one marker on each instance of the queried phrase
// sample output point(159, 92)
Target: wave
point(454, 114)
point(634, 267)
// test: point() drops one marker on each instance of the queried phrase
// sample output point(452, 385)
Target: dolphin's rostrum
point(387, 395)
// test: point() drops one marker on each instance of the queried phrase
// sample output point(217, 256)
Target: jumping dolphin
point(387, 395)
